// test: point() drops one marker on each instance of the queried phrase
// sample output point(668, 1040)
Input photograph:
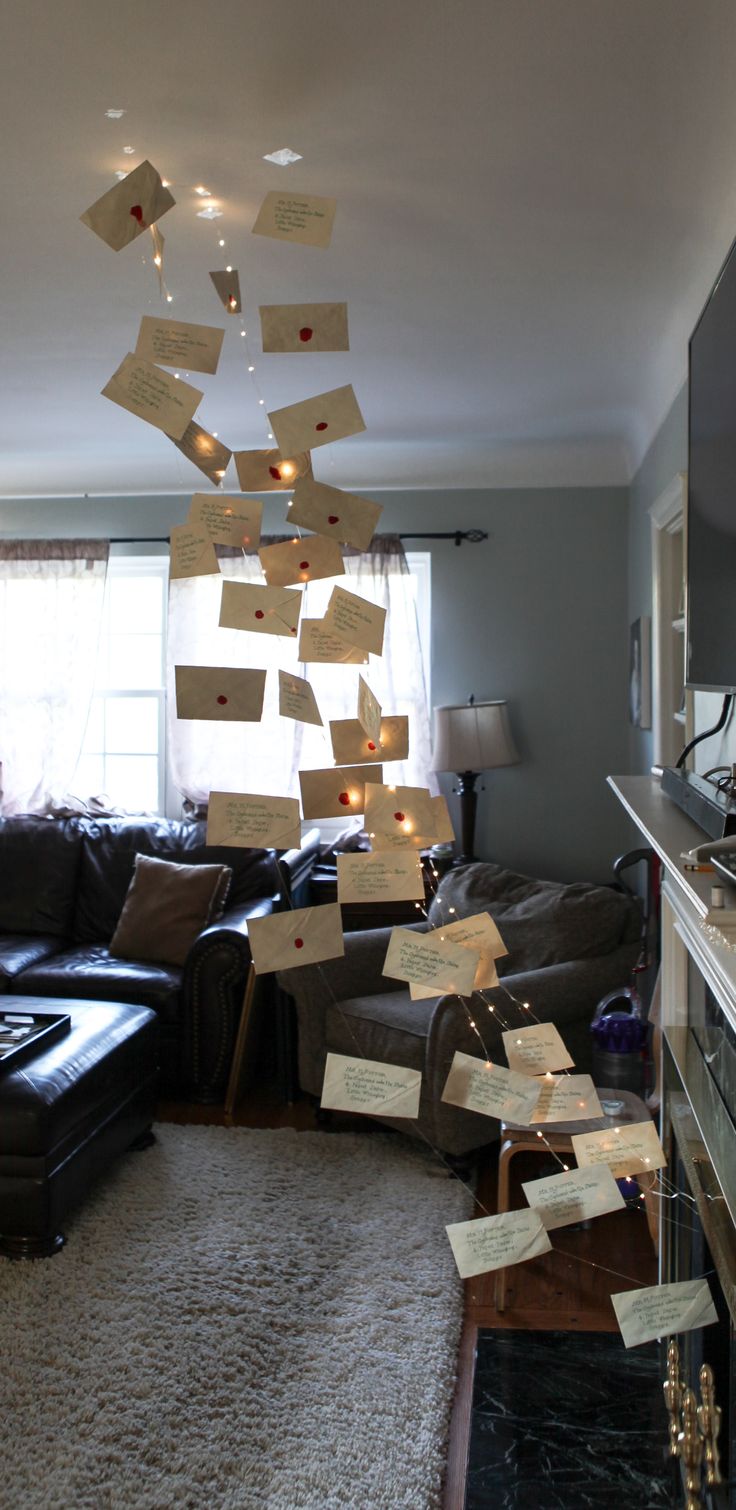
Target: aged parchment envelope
point(304, 327)
point(443, 829)
point(380, 878)
point(161, 400)
point(350, 744)
point(306, 218)
point(629, 1148)
point(477, 932)
point(303, 936)
point(495, 1242)
point(219, 692)
point(269, 471)
point(368, 1085)
point(297, 699)
point(334, 794)
point(535, 1049)
point(227, 287)
point(355, 620)
point(328, 511)
point(263, 610)
point(397, 809)
point(228, 521)
point(129, 207)
point(575, 1195)
point(172, 343)
point(423, 958)
point(192, 553)
point(304, 560)
point(661, 1310)
point(369, 711)
point(319, 646)
point(490, 1089)
point(567, 1098)
point(205, 450)
point(316, 421)
point(253, 821)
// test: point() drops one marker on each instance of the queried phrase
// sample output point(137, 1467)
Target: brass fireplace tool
point(694, 1429)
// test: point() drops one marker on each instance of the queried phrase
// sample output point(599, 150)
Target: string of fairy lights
point(663, 1190)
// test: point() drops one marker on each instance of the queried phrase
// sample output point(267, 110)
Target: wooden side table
point(558, 1137)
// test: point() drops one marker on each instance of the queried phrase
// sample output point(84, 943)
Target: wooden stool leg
point(502, 1204)
point(233, 1085)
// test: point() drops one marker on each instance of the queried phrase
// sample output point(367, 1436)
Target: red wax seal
point(137, 213)
point(275, 473)
point(306, 333)
point(399, 817)
point(298, 943)
point(344, 798)
point(304, 566)
point(322, 425)
point(259, 613)
point(333, 518)
point(221, 699)
point(293, 631)
point(371, 745)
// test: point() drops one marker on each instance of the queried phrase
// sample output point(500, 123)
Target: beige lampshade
point(472, 737)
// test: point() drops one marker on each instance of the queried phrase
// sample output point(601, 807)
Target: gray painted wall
point(538, 615)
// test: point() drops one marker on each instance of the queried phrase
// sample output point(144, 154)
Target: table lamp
point(469, 738)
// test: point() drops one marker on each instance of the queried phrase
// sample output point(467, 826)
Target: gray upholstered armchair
point(568, 946)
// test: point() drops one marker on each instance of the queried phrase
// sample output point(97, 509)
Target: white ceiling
point(534, 197)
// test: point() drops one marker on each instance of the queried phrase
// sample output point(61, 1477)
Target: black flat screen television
point(711, 514)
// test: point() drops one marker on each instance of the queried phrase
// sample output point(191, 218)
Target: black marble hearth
point(567, 1421)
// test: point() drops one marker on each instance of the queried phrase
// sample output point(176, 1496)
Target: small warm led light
point(221, 472)
point(539, 1134)
point(566, 1168)
point(165, 183)
point(200, 189)
point(451, 909)
point(242, 332)
point(406, 827)
point(261, 401)
point(169, 298)
point(270, 435)
point(489, 1066)
point(228, 269)
point(121, 173)
point(214, 432)
point(548, 1075)
point(221, 241)
point(581, 1103)
point(114, 115)
point(128, 151)
point(210, 212)
point(251, 368)
point(158, 259)
point(287, 469)
point(177, 374)
point(283, 157)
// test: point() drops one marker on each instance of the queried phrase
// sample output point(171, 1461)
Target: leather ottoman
point(68, 1111)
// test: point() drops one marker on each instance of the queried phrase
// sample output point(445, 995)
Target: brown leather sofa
point(63, 883)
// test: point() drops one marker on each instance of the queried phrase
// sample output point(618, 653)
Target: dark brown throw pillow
point(166, 907)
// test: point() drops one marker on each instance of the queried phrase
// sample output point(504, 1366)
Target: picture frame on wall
point(640, 673)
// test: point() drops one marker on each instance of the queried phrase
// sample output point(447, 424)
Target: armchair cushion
point(166, 908)
point(91, 971)
point(541, 922)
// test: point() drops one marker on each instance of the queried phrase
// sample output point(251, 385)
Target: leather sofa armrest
point(213, 985)
point(296, 866)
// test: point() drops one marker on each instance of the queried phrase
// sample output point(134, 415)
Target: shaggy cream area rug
point(239, 1319)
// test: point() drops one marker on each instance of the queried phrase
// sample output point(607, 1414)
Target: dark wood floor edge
point(459, 1443)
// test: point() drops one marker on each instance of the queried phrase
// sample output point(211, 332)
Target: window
point(124, 755)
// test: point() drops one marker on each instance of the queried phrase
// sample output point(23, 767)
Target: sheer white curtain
point(51, 597)
point(217, 756)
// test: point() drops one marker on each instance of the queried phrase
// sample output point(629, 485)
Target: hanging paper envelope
point(662, 1310)
point(316, 421)
point(356, 620)
point(306, 218)
point(370, 1086)
point(535, 1049)
point(490, 1089)
point(253, 821)
point(351, 745)
point(205, 450)
point(397, 809)
point(227, 286)
point(219, 692)
point(423, 958)
point(335, 794)
point(567, 1098)
point(192, 553)
point(301, 561)
point(477, 932)
point(575, 1195)
point(297, 699)
point(153, 395)
point(328, 511)
point(495, 1242)
point(172, 343)
point(304, 936)
point(227, 521)
point(269, 471)
point(369, 711)
point(129, 207)
point(628, 1148)
point(304, 327)
point(319, 646)
point(263, 610)
point(380, 878)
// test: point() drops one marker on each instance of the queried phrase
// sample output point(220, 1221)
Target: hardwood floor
point(566, 1289)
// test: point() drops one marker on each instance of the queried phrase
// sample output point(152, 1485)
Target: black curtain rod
point(473, 536)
